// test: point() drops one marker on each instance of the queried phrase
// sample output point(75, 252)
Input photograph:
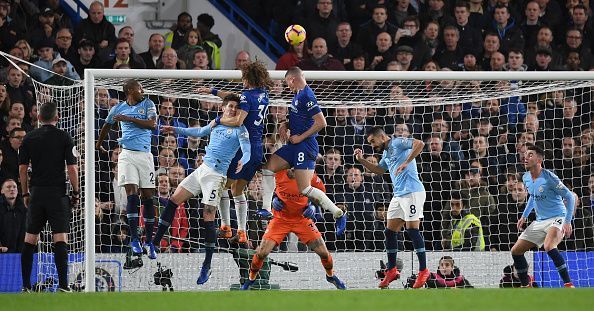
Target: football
point(295, 34)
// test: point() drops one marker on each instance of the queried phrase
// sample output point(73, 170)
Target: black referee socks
point(27, 263)
point(61, 259)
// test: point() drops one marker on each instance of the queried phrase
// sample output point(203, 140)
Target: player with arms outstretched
point(209, 179)
point(290, 210)
point(406, 207)
point(253, 108)
point(138, 117)
point(305, 121)
point(553, 216)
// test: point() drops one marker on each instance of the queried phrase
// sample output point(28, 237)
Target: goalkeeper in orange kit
point(292, 213)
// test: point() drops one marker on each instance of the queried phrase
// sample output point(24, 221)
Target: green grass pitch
point(365, 300)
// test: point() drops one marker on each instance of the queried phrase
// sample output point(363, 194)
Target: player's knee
point(549, 246)
point(516, 250)
point(306, 190)
point(324, 255)
point(60, 237)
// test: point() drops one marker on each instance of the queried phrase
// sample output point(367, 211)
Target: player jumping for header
point(553, 216)
point(406, 207)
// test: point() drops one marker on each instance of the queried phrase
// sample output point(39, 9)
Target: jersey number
point(413, 209)
point(213, 194)
point(152, 177)
point(559, 221)
point(262, 111)
point(300, 157)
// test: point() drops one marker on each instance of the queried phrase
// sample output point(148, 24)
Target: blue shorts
point(249, 169)
point(301, 156)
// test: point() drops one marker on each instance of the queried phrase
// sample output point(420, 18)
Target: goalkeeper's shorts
point(304, 228)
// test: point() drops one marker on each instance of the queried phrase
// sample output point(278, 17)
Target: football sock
point(241, 208)
point(165, 221)
point(27, 263)
point(255, 266)
point(149, 219)
point(522, 268)
point(61, 260)
point(210, 241)
point(268, 185)
point(559, 264)
point(319, 196)
point(391, 244)
point(224, 209)
point(132, 214)
point(419, 245)
point(328, 264)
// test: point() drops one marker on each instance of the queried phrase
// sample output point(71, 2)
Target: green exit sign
point(116, 19)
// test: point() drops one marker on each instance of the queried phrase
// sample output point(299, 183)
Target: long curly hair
point(256, 75)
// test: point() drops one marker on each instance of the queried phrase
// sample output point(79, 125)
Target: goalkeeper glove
point(341, 225)
point(277, 204)
point(310, 212)
point(262, 214)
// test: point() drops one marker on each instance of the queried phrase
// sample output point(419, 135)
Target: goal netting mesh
point(475, 133)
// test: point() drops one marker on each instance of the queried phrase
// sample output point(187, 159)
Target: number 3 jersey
point(255, 103)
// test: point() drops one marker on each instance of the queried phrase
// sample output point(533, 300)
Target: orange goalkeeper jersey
point(288, 192)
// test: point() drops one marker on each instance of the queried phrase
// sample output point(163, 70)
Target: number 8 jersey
point(255, 103)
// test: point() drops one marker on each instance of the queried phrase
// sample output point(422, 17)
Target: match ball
point(295, 34)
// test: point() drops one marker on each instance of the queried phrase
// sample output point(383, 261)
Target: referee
point(48, 150)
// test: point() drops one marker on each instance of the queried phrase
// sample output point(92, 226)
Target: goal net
point(475, 127)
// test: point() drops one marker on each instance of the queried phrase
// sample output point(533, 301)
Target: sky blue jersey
point(303, 107)
point(133, 136)
point(255, 103)
point(547, 193)
point(223, 145)
point(408, 180)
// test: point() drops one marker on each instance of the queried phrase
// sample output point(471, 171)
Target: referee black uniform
point(48, 150)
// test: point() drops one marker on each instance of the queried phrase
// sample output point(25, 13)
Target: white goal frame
point(89, 136)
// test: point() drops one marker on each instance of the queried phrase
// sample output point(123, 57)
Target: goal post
point(340, 89)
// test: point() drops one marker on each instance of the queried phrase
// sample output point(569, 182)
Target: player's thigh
point(521, 247)
point(395, 215)
point(554, 234)
point(395, 224)
point(319, 247)
point(239, 186)
point(412, 206)
point(265, 247)
point(146, 171)
point(535, 233)
point(277, 163)
point(128, 169)
point(277, 230)
point(303, 178)
point(212, 184)
point(189, 187)
point(306, 230)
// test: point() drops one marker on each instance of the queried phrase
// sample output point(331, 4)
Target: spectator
point(574, 43)
point(167, 116)
point(404, 56)
point(531, 24)
point(192, 43)
point(175, 38)
point(497, 61)
point(86, 57)
point(153, 55)
point(475, 192)
point(10, 152)
point(450, 55)
point(166, 160)
point(551, 13)
point(504, 232)
point(338, 133)
point(368, 32)
point(62, 19)
point(581, 21)
point(543, 60)
point(9, 32)
point(241, 59)
point(490, 46)
point(544, 39)
point(292, 57)
point(469, 35)
point(126, 33)
point(511, 279)
point(320, 59)
point(437, 11)
point(27, 50)
point(60, 68)
point(430, 37)
point(505, 26)
point(478, 15)
point(201, 60)
point(344, 49)
point(384, 52)
point(96, 28)
point(179, 229)
point(123, 56)
point(204, 23)
point(332, 171)
point(46, 57)
point(322, 24)
point(570, 124)
point(12, 218)
point(515, 61)
point(400, 11)
point(64, 44)
point(169, 60)
point(44, 29)
point(409, 35)
point(440, 127)
point(17, 90)
point(461, 229)
point(572, 62)
point(447, 275)
point(469, 62)
point(381, 189)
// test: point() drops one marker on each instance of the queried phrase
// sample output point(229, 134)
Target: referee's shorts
point(48, 204)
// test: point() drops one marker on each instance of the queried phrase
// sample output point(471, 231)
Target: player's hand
point(520, 224)
point(121, 117)
point(295, 139)
point(341, 225)
point(26, 200)
point(277, 204)
point(3, 249)
point(283, 132)
point(74, 199)
point(204, 90)
point(167, 129)
point(358, 154)
point(100, 148)
point(310, 212)
point(239, 167)
point(401, 168)
point(567, 230)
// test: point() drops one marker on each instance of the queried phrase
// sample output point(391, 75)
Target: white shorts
point(206, 181)
point(408, 207)
point(136, 168)
point(537, 231)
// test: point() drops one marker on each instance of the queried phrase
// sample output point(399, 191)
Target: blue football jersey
point(255, 103)
point(303, 107)
point(547, 195)
point(408, 180)
point(133, 136)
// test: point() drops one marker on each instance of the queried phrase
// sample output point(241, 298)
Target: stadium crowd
point(473, 162)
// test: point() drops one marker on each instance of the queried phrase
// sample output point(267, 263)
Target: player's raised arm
point(192, 131)
point(102, 135)
point(376, 169)
point(246, 147)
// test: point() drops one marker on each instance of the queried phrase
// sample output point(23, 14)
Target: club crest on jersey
point(560, 186)
point(141, 110)
point(310, 104)
point(540, 189)
point(229, 131)
point(261, 97)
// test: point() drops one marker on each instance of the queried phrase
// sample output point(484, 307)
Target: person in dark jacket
point(96, 28)
point(447, 275)
point(12, 218)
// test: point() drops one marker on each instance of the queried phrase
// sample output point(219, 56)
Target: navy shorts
point(249, 169)
point(301, 156)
